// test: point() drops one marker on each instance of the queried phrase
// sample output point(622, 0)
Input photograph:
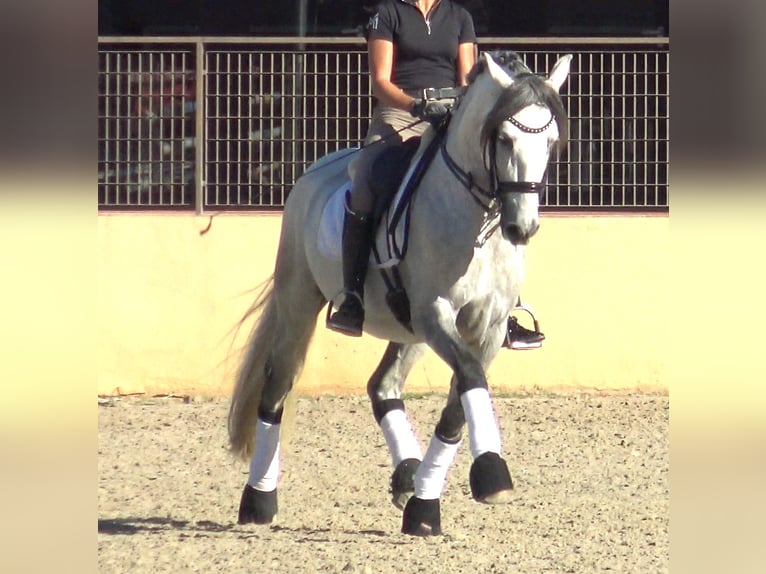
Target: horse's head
point(508, 123)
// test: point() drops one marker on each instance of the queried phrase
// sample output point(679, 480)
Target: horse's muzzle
point(519, 202)
point(520, 234)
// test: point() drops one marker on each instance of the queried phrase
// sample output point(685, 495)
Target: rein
point(466, 179)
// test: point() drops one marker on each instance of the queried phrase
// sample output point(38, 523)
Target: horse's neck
point(448, 205)
point(463, 140)
point(454, 206)
point(461, 202)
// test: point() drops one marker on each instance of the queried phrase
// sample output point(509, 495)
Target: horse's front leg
point(469, 402)
point(385, 391)
point(422, 515)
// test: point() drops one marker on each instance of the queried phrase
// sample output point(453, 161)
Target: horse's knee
point(270, 414)
point(470, 375)
point(449, 430)
point(451, 422)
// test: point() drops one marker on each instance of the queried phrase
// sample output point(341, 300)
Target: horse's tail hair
point(251, 377)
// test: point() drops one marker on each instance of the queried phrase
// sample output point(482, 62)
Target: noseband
point(521, 186)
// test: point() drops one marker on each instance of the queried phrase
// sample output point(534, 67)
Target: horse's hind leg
point(258, 504)
point(291, 318)
point(385, 391)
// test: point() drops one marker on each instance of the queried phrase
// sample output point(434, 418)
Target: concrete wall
point(171, 294)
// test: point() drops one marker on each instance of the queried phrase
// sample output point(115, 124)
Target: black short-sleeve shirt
point(425, 49)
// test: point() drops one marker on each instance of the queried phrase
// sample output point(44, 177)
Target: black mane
point(507, 59)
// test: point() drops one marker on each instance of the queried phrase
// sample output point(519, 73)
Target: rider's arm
point(466, 57)
point(381, 54)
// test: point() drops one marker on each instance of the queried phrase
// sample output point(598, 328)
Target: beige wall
point(171, 295)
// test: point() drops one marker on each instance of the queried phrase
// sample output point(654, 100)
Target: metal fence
point(211, 124)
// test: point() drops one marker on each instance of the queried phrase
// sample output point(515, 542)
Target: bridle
point(529, 130)
point(488, 199)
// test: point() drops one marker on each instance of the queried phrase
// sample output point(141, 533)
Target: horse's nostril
point(519, 234)
point(513, 233)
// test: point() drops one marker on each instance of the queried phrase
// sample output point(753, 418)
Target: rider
point(413, 45)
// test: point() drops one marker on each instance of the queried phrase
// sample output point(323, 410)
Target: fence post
point(199, 128)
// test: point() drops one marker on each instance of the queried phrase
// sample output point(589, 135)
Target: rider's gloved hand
point(429, 110)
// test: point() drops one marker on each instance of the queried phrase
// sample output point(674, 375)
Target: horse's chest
point(499, 266)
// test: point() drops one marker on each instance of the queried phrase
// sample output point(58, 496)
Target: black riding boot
point(357, 244)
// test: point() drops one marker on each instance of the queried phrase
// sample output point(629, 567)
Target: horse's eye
point(505, 139)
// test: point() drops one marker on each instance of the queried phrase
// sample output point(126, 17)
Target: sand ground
point(591, 475)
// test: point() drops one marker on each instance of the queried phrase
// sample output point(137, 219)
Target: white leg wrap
point(483, 431)
point(432, 472)
point(264, 467)
point(400, 438)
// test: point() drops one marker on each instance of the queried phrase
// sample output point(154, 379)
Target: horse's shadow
point(136, 525)
point(305, 534)
point(202, 528)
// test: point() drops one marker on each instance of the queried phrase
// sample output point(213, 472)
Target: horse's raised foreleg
point(385, 391)
point(489, 477)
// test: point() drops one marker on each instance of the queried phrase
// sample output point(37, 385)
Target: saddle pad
point(389, 239)
point(329, 240)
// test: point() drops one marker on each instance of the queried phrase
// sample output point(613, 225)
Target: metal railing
point(211, 124)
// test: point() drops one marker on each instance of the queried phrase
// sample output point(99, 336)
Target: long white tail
point(251, 378)
point(286, 319)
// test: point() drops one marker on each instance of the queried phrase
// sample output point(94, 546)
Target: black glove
point(429, 110)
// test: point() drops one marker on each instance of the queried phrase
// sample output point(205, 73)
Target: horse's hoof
point(257, 507)
point(403, 482)
point(422, 517)
point(490, 480)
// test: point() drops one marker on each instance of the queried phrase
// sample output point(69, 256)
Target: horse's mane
point(527, 89)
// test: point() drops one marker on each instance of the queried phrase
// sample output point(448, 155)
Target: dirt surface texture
point(591, 478)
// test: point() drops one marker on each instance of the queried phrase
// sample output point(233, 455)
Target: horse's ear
point(560, 72)
point(495, 70)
